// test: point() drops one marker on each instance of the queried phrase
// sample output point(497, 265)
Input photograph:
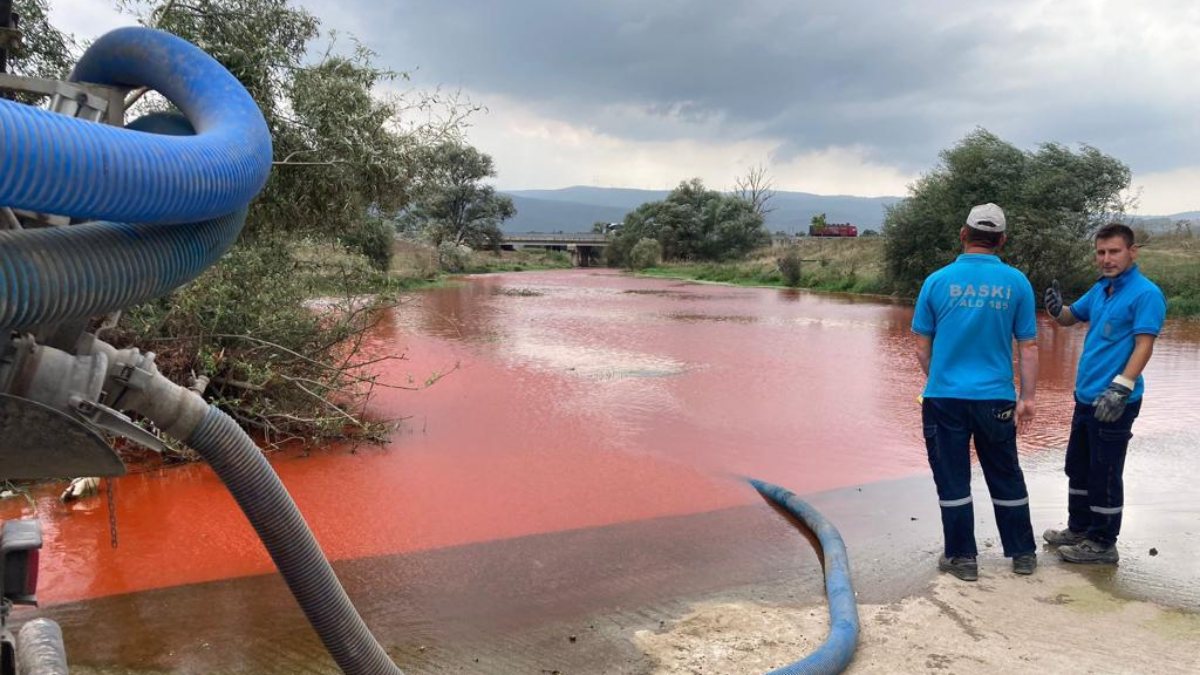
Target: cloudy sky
point(841, 97)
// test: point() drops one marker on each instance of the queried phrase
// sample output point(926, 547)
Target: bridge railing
point(589, 238)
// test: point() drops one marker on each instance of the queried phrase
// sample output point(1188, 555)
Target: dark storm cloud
point(901, 80)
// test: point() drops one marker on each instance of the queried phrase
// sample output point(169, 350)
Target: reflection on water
point(693, 318)
point(585, 399)
point(815, 389)
point(602, 373)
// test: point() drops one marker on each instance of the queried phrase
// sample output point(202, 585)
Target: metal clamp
point(114, 422)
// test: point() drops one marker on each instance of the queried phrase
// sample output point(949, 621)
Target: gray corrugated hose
point(245, 471)
point(40, 649)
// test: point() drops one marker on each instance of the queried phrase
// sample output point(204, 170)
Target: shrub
point(789, 266)
point(279, 357)
point(646, 253)
point(372, 237)
point(453, 257)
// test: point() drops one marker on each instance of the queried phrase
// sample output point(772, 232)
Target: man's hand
point(1053, 299)
point(1111, 404)
point(1026, 410)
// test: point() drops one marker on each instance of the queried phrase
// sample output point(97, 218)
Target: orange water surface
point(571, 399)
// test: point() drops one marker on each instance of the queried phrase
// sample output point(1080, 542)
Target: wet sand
point(1055, 621)
point(673, 602)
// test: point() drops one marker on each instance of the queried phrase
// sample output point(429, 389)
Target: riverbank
point(857, 266)
point(416, 265)
point(839, 265)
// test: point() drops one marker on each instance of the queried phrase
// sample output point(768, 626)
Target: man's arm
point(1143, 349)
point(1111, 404)
point(1065, 317)
point(924, 352)
point(1027, 354)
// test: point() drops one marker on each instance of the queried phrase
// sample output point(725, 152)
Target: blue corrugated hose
point(178, 187)
point(72, 167)
point(187, 193)
point(838, 649)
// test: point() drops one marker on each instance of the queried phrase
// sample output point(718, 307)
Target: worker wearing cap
point(1125, 313)
point(967, 315)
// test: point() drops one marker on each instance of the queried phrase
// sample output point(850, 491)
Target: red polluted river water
point(574, 400)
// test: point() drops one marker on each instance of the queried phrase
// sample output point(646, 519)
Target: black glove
point(1111, 404)
point(1053, 299)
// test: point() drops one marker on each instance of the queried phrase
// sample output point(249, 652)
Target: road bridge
point(585, 248)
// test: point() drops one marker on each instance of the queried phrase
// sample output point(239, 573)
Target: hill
point(575, 209)
point(552, 215)
point(1165, 224)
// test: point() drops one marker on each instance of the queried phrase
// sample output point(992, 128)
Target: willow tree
point(452, 203)
point(44, 51)
point(1053, 197)
point(348, 142)
point(692, 223)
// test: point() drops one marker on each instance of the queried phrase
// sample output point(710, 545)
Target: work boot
point(1025, 563)
point(1089, 552)
point(1063, 537)
point(963, 568)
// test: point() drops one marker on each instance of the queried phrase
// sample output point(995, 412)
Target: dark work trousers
point(950, 424)
point(1095, 462)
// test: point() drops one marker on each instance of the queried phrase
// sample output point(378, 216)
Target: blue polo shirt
point(1136, 307)
point(972, 309)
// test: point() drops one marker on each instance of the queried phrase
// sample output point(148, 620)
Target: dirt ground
point(1055, 621)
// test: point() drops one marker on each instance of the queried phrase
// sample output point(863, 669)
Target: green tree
point(692, 223)
point(818, 223)
point(346, 154)
point(452, 203)
point(44, 51)
point(343, 150)
point(1052, 197)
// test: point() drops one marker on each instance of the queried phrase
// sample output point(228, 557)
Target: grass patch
point(857, 266)
point(845, 266)
point(1173, 262)
point(526, 260)
point(415, 265)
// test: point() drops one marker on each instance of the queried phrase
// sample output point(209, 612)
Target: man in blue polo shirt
point(1125, 311)
point(966, 318)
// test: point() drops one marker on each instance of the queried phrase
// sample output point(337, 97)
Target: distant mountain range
point(575, 209)
point(1166, 223)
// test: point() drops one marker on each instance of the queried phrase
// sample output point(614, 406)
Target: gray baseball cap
point(987, 217)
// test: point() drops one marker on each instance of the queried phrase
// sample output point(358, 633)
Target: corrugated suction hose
point(835, 654)
point(179, 194)
point(245, 471)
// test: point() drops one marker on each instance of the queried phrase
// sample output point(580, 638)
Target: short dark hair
point(1116, 230)
point(984, 238)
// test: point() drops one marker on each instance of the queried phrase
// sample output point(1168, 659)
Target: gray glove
point(1111, 404)
point(1053, 299)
